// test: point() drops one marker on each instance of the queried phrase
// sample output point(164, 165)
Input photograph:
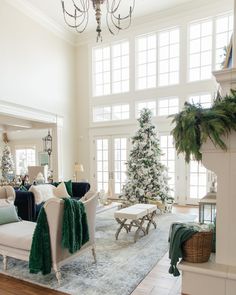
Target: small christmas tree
point(7, 164)
point(147, 177)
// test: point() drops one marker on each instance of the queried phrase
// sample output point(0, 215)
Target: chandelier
point(77, 16)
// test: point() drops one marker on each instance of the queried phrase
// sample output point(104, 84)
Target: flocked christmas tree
point(7, 164)
point(147, 176)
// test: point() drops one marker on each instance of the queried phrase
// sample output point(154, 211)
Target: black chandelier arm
point(85, 26)
point(114, 10)
point(117, 26)
point(76, 25)
point(85, 7)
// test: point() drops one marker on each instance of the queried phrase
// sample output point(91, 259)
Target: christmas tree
point(147, 176)
point(7, 164)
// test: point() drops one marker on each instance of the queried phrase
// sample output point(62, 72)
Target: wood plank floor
point(157, 282)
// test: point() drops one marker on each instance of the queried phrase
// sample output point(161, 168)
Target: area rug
point(120, 267)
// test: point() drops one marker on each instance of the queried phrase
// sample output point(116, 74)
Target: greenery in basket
point(194, 125)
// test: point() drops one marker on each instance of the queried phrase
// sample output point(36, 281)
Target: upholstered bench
point(135, 216)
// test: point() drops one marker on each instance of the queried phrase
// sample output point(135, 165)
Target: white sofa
point(16, 237)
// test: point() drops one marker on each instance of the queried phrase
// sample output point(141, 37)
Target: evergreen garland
point(194, 125)
point(147, 177)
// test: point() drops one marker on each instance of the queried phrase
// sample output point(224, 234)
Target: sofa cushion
point(8, 214)
point(68, 185)
point(60, 191)
point(42, 192)
point(17, 235)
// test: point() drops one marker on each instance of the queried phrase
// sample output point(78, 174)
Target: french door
point(198, 182)
point(110, 156)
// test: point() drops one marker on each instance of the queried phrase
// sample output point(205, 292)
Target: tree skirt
point(120, 267)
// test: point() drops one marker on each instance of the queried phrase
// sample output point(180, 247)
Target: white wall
point(180, 16)
point(37, 69)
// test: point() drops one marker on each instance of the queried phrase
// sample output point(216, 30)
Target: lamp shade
point(78, 167)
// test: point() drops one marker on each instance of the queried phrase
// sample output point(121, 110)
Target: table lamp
point(78, 168)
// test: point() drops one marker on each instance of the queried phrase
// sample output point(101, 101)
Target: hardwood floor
point(157, 282)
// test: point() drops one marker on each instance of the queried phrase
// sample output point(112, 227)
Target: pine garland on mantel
point(194, 125)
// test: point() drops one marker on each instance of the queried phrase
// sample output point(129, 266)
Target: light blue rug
point(121, 264)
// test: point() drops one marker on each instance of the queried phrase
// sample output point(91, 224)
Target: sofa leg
point(58, 274)
point(4, 262)
point(94, 254)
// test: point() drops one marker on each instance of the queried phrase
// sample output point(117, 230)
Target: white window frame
point(28, 147)
point(200, 94)
point(137, 88)
point(168, 107)
point(169, 58)
point(146, 101)
point(200, 21)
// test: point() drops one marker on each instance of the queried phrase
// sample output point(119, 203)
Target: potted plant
point(194, 125)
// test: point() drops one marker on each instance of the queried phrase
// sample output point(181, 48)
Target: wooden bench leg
point(150, 218)
point(122, 225)
point(139, 224)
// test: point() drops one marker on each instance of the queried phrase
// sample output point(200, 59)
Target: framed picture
point(228, 58)
point(43, 158)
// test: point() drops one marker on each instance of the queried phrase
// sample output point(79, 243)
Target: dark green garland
point(194, 125)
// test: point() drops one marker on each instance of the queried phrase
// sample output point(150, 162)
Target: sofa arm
point(25, 204)
point(79, 189)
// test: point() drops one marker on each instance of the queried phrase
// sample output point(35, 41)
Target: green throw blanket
point(40, 253)
point(75, 233)
point(179, 233)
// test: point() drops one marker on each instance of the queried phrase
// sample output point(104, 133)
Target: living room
point(88, 95)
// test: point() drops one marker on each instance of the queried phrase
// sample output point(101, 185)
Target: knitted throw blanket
point(179, 233)
point(40, 254)
point(75, 233)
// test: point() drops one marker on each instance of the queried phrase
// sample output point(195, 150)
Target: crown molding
point(163, 18)
point(38, 16)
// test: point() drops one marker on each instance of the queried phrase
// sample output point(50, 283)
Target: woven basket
point(198, 248)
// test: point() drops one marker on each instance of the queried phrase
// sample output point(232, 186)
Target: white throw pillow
point(60, 191)
point(42, 192)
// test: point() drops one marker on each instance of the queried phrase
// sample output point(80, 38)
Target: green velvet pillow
point(8, 214)
point(68, 185)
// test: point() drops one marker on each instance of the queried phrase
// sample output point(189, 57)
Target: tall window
point(146, 61)
point(168, 159)
point(200, 51)
point(168, 106)
point(168, 57)
point(224, 28)
point(198, 180)
point(111, 69)
point(151, 105)
point(120, 158)
point(108, 113)
point(102, 164)
point(101, 71)
point(120, 67)
point(203, 99)
point(24, 158)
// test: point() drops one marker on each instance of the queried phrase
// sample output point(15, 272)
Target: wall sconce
point(47, 145)
point(78, 168)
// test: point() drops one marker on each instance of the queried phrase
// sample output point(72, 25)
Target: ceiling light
point(76, 14)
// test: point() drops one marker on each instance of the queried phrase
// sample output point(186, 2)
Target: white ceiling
point(53, 9)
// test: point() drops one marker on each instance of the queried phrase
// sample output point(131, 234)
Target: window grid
point(204, 100)
point(151, 105)
point(224, 29)
point(24, 158)
point(146, 51)
point(102, 164)
point(168, 159)
point(168, 106)
point(111, 113)
point(200, 50)
point(198, 180)
point(101, 71)
point(120, 67)
point(168, 55)
point(120, 157)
